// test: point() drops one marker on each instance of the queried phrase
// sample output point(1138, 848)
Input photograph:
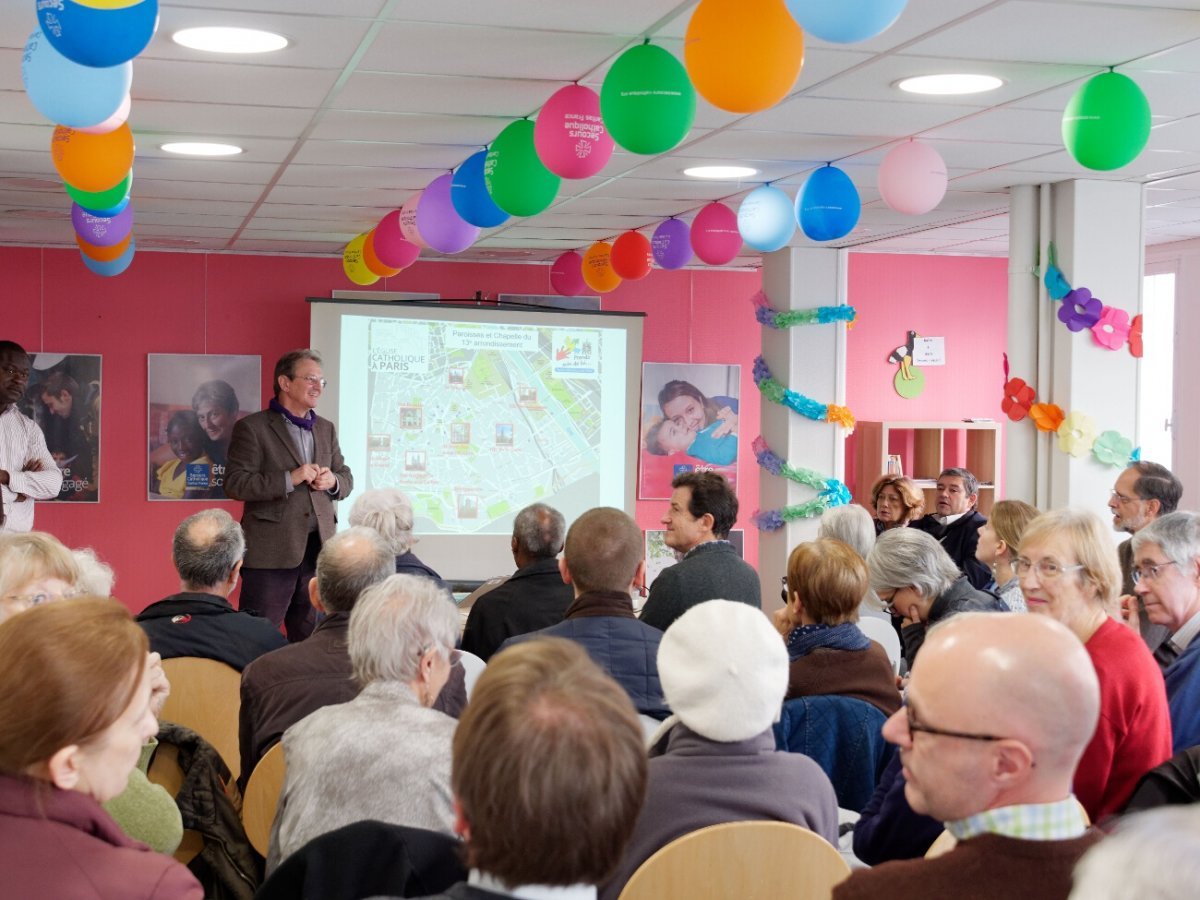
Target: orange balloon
point(371, 261)
point(597, 268)
point(743, 55)
point(632, 256)
point(92, 162)
point(103, 254)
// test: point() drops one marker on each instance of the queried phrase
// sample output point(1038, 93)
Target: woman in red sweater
point(1068, 569)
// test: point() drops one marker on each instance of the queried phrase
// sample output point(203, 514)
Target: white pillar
point(1020, 471)
point(811, 360)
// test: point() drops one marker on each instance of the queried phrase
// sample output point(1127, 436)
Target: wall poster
point(63, 398)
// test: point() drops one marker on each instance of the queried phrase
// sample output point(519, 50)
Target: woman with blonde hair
point(75, 711)
point(896, 501)
point(34, 568)
point(999, 539)
point(1068, 570)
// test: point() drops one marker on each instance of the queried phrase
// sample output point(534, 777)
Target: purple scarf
point(307, 421)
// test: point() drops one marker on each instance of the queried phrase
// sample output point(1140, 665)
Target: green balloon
point(1107, 122)
point(514, 175)
point(101, 199)
point(647, 101)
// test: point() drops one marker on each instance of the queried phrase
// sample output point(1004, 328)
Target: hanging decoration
point(1111, 328)
point(1076, 431)
point(806, 406)
point(831, 492)
point(817, 315)
point(1107, 123)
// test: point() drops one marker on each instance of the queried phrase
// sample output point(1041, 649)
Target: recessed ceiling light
point(230, 40)
point(199, 148)
point(721, 172)
point(949, 84)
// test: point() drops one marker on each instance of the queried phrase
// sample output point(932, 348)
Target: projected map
point(476, 421)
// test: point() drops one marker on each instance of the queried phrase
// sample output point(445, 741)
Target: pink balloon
point(715, 236)
point(439, 222)
point(113, 122)
point(570, 136)
point(391, 247)
point(912, 178)
point(566, 275)
point(408, 221)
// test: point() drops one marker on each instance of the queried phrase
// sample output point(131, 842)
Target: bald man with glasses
point(1143, 493)
point(999, 709)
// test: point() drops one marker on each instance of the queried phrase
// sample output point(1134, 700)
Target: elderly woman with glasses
point(385, 755)
point(1068, 570)
point(1166, 576)
point(921, 585)
point(897, 502)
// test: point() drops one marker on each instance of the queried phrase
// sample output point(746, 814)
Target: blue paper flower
point(1056, 283)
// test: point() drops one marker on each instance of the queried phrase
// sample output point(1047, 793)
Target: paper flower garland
point(806, 406)
point(832, 492)
point(1112, 331)
point(1135, 337)
point(1113, 449)
point(1046, 416)
point(818, 315)
point(1077, 434)
point(1110, 327)
point(1080, 309)
point(1018, 397)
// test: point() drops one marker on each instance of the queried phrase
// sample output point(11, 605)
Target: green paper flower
point(1112, 449)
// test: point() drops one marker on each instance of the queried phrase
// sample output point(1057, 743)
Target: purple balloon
point(101, 231)
point(443, 229)
point(671, 244)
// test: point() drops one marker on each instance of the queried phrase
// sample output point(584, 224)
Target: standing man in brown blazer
point(285, 463)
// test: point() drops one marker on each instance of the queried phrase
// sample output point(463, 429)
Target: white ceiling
point(372, 102)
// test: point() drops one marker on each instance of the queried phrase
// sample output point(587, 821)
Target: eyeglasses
point(1047, 569)
point(1150, 571)
point(313, 380)
point(453, 657)
point(28, 601)
point(1121, 498)
point(915, 726)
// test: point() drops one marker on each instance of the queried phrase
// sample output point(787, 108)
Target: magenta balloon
point(439, 223)
point(566, 275)
point(570, 136)
point(100, 231)
point(715, 235)
point(671, 244)
point(391, 247)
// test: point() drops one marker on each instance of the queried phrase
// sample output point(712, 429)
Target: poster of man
point(63, 398)
point(193, 402)
point(689, 424)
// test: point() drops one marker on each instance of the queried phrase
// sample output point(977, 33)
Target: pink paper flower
point(1112, 329)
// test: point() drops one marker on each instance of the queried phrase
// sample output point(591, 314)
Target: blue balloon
point(112, 267)
point(67, 93)
point(845, 21)
point(470, 195)
point(110, 212)
point(765, 219)
point(98, 37)
point(828, 206)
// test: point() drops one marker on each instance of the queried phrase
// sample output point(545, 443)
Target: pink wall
point(963, 299)
point(197, 303)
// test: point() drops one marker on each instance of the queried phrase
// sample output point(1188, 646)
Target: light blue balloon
point(470, 196)
point(110, 212)
point(765, 219)
point(112, 267)
point(67, 93)
point(845, 21)
point(98, 37)
point(828, 205)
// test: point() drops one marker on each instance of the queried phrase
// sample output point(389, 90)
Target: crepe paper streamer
point(831, 491)
point(1080, 309)
point(1047, 416)
point(1113, 449)
point(1135, 337)
point(774, 519)
point(817, 315)
point(777, 465)
point(1018, 398)
point(1077, 434)
point(806, 406)
point(1112, 328)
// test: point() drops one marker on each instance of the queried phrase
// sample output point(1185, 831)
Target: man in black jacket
point(199, 621)
point(956, 524)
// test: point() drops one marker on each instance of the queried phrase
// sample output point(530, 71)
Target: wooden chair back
point(262, 798)
point(746, 860)
point(206, 697)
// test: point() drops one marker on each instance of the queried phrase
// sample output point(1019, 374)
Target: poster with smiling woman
point(689, 424)
point(193, 401)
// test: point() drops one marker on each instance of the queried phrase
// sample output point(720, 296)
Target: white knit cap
point(724, 670)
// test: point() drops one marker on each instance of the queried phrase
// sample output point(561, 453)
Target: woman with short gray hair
point(389, 511)
point(385, 755)
point(921, 585)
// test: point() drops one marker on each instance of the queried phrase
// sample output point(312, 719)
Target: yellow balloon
point(109, 4)
point(353, 264)
point(597, 268)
